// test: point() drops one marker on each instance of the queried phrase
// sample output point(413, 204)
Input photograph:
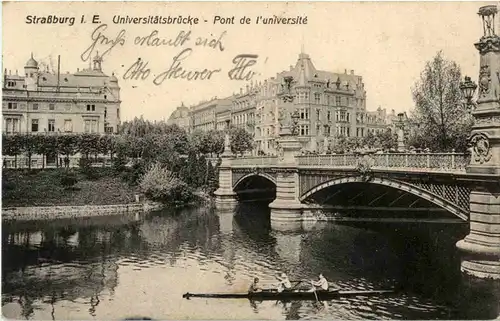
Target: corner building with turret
point(47, 102)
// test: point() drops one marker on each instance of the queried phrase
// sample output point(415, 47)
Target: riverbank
point(42, 188)
point(35, 213)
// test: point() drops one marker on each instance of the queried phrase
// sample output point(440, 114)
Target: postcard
point(250, 160)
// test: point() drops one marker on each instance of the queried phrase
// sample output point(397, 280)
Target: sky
point(386, 43)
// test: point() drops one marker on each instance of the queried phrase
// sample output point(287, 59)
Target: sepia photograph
point(250, 160)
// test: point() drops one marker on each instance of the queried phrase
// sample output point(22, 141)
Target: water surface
point(140, 265)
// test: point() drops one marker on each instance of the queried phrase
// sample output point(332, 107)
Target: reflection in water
point(117, 267)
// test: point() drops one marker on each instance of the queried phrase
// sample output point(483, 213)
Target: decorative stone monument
point(482, 246)
point(286, 209)
point(225, 197)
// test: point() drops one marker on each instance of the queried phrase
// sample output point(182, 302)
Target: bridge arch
point(407, 187)
point(264, 175)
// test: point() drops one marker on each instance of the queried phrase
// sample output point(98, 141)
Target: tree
point(241, 140)
point(67, 144)
point(12, 146)
point(45, 144)
point(87, 144)
point(370, 140)
point(441, 116)
point(29, 146)
point(387, 139)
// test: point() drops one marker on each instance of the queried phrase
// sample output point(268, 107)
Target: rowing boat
point(272, 294)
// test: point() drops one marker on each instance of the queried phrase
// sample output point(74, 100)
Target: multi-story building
point(329, 104)
point(181, 117)
point(40, 101)
point(372, 122)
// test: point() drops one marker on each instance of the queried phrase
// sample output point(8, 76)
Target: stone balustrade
point(255, 161)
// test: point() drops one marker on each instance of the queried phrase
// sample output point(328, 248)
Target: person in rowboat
point(255, 287)
point(285, 284)
point(321, 284)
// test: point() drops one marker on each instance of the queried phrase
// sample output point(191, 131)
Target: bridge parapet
point(255, 161)
point(452, 162)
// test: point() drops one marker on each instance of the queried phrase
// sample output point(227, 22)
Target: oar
point(314, 290)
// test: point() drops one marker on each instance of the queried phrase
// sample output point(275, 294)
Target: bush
point(134, 174)
point(68, 179)
point(86, 168)
point(119, 163)
point(160, 184)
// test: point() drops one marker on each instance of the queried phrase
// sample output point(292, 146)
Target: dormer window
point(44, 79)
point(66, 79)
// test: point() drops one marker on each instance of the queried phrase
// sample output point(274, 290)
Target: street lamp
point(468, 87)
point(401, 124)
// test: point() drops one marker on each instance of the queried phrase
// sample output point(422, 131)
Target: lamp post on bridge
point(400, 125)
point(225, 197)
point(481, 247)
point(286, 209)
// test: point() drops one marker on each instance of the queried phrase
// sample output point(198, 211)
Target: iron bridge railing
point(428, 161)
point(454, 162)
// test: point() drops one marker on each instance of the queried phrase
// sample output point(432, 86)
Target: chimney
point(77, 69)
point(345, 71)
point(352, 72)
point(58, 70)
point(291, 67)
point(17, 73)
point(10, 72)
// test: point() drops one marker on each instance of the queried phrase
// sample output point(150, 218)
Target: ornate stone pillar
point(225, 197)
point(482, 246)
point(286, 209)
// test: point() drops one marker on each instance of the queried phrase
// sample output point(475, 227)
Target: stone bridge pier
point(482, 246)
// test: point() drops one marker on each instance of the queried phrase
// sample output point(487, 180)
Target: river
point(125, 266)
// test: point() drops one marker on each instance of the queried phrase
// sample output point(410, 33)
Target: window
point(318, 129)
point(11, 125)
point(34, 125)
point(109, 129)
point(52, 125)
point(317, 98)
point(304, 130)
point(304, 114)
point(348, 116)
point(11, 84)
point(329, 115)
point(337, 100)
point(35, 106)
point(11, 105)
point(90, 107)
point(91, 126)
point(68, 126)
point(52, 106)
point(317, 114)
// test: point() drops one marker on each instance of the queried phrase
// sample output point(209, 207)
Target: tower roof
point(305, 62)
point(31, 63)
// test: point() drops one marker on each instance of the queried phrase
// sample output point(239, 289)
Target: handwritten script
point(105, 42)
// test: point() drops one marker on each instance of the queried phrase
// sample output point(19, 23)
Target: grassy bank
point(43, 188)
